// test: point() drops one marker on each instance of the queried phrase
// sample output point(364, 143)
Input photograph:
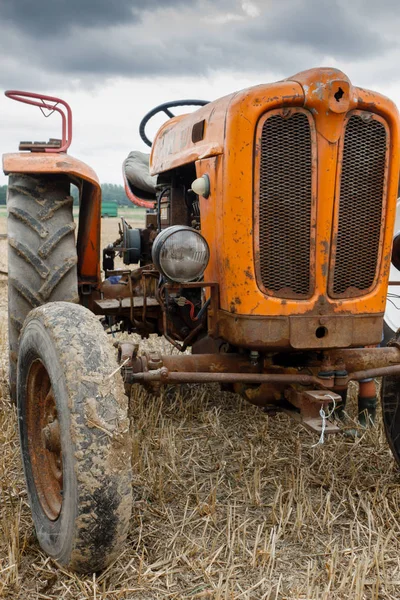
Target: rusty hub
point(44, 442)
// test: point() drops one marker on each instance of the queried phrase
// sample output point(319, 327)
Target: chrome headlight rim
point(159, 243)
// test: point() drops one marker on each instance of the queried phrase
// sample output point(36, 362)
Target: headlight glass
point(180, 253)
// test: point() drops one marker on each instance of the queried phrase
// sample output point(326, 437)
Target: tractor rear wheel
point(391, 413)
point(390, 398)
point(74, 434)
point(41, 254)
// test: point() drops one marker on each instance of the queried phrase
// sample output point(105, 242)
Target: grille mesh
point(360, 206)
point(285, 199)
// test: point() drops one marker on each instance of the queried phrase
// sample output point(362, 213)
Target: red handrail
point(42, 102)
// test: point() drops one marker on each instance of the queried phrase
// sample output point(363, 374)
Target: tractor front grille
point(284, 205)
point(355, 259)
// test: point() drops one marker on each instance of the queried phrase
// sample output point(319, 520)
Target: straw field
point(229, 503)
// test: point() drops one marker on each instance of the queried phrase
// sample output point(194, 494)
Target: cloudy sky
point(113, 60)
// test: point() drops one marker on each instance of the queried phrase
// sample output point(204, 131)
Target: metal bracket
point(85, 289)
point(309, 404)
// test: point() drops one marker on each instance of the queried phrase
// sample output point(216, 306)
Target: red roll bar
point(52, 104)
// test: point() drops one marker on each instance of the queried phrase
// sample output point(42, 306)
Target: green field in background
point(134, 214)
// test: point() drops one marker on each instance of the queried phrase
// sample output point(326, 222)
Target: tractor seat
point(136, 174)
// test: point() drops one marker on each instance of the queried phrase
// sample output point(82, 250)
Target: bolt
point(164, 373)
point(254, 356)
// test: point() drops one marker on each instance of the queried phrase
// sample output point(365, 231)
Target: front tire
point(74, 435)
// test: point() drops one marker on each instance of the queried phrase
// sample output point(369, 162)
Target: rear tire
point(388, 334)
point(41, 254)
point(74, 434)
point(390, 398)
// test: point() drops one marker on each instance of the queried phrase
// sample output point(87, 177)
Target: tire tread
point(42, 259)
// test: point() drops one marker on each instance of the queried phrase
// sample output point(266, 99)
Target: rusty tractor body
point(267, 246)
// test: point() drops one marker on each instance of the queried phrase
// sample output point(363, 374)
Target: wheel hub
point(44, 440)
point(51, 436)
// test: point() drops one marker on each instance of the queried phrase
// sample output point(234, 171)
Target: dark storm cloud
point(47, 17)
point(323, 26)
point(50, 17)
point(90, 40)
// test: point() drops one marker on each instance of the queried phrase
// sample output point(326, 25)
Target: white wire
point(324, 416)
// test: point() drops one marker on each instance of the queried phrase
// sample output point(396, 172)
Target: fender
point(83, 176)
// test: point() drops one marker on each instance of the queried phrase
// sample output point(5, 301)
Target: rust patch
point(324, 246)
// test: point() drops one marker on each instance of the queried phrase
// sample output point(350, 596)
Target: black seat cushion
point(136, 172)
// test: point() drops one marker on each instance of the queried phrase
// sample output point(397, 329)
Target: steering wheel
point(165, 108)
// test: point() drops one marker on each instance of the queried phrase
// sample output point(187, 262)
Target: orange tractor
point(267, 250)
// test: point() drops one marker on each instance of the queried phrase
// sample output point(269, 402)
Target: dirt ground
point(229, 504)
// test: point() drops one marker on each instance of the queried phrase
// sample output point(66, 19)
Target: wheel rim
point(44, 442)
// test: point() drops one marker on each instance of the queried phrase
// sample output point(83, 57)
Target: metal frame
point(43, 102)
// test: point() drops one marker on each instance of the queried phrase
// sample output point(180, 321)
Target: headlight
point(201, 186)
point(180, 253)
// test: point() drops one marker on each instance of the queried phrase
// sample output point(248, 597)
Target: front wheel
point(74, 435)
